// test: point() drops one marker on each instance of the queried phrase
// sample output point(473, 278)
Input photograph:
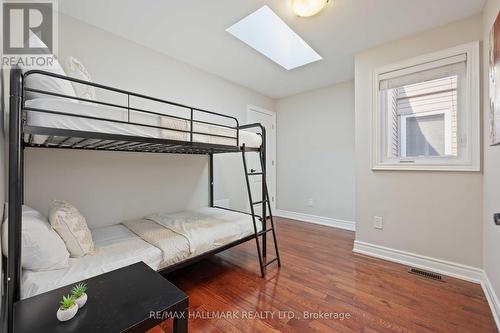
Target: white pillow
point(75, 68)
point(44, 82)
point(70, 224)
point(42, 249)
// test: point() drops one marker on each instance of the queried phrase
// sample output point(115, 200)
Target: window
point(426, 112)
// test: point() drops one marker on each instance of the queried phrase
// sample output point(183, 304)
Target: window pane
point(422, 118)
point(425, 136)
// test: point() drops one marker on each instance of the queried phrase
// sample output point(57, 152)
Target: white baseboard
point(328, 221)
point(456, 270)
point(449, 268)
point(492, 298)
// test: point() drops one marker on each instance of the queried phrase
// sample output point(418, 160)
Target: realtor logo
point(29, 35)
point(21, 20)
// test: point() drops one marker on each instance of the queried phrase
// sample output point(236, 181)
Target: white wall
point(436, 214)
point(491, 179)
point(112, 187)
point(133, 184)
point(315, 158)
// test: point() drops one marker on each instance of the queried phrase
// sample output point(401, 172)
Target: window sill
point(426, 167)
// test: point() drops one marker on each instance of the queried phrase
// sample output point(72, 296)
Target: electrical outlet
point(496, 218)
point(378, 222)
point(310, 202)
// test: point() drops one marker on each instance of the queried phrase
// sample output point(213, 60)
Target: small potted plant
point(78, 293)
point(67, 308)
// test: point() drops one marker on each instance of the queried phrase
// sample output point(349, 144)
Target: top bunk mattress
point(49, 120)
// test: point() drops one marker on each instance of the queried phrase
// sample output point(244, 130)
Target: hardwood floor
point(321, 275)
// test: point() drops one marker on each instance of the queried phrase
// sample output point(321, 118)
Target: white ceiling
point(193, 31)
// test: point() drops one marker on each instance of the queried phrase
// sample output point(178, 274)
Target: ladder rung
point(255, 173)
point(259, 202)
point(270, 262)
point(264, 231)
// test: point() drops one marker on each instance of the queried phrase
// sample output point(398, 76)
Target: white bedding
point(148, 241)
point(210, 228)
point(115, 247)
point(41, 119)
point(206, 228)
point(174, 247)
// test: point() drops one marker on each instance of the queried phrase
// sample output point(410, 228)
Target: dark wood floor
point(321, 274)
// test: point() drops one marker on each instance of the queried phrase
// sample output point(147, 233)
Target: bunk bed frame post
point(264, 213)
point(15, 192)
point(211, 178)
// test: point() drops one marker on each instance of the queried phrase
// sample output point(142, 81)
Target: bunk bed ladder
point(265, 202)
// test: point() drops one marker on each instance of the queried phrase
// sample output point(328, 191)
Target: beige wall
point(491, 179)
point(315, 144)
point(134, 185)
point(436, 214)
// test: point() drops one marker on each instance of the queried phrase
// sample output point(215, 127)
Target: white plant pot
point(80, 301)
point(65, 315)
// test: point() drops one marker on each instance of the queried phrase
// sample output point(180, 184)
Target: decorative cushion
point(70, 224)
point(42, 249)
point(75, 68)
point(44, 82)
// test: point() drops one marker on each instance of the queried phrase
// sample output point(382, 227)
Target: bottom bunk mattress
point(186, 234)
point(115, 247)
point(159, 240)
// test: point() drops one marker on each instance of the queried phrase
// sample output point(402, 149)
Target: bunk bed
point(60, 121)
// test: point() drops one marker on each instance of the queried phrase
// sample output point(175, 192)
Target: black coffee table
point(131, 299)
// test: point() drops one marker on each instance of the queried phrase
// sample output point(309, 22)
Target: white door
point(268, 120)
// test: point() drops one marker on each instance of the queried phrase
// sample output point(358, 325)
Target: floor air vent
point(426, 274)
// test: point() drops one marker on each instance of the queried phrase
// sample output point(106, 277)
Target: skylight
point(264, 31)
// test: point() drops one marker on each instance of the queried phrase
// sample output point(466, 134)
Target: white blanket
point(206, 228)
point(174, 247)
point(42, 119)
point(115, 247)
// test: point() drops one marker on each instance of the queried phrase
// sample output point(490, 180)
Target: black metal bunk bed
point(21, 135)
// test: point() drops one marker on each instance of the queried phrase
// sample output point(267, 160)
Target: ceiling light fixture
point(308, 8)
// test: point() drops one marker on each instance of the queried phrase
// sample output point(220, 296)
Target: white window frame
point(469, 117)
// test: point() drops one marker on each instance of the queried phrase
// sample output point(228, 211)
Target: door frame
point(254, 108)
